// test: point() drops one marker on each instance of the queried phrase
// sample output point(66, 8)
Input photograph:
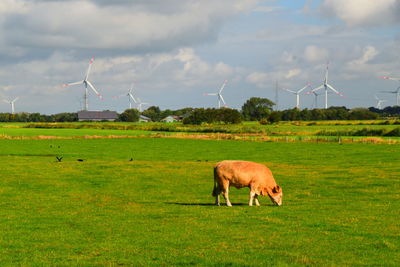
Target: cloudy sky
point(174, 51)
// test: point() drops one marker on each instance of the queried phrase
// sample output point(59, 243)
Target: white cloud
point(292, 73)
point(124, 25)
point(260, 79)
point(266, 9)
point(364, 12)
point(314, 53)
point(12, 6)
point(369, 53)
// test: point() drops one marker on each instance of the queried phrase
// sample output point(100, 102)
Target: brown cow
point(245, 174)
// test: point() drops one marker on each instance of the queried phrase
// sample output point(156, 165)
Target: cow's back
point(243, 173)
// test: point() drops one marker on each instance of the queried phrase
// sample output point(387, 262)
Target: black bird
point(59, 159)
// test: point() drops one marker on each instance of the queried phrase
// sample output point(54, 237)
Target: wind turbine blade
point(327, 71)
point(391, 92)
point(6, 101)
point(94, 89)
point(15, 99)
point(69, 84)
point(222, 99)
point(210, 94)
point(314, 90)
point(333, 89)
point(90, 66)
point(223, 86)
point(390, 78)
point(289, 90)
point(302, 89)
point(132, 97)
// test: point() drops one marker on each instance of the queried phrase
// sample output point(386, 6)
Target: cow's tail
point(215, 190)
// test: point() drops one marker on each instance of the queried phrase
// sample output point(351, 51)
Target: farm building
point(172, 118)
point(144, 119)
point(106, 115)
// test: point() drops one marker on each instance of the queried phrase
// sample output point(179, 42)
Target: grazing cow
point(245, 174)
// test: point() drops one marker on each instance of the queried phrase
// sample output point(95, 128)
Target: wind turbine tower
point(12, 104)
point(326, 86)
point(86, 83)
point(297, 93)
point(397, 91)
point(219, 94)
point(276, 95)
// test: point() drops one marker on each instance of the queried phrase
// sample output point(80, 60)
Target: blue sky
point(176, 51)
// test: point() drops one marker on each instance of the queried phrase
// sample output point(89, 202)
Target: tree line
point(254, 109)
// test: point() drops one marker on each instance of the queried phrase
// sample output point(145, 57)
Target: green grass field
point(341, 204)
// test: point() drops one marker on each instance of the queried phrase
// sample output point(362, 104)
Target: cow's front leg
point(252, 195)
point(225, 194)
point(256, 200)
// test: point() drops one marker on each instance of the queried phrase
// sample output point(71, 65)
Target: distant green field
point(341, 204)
point(336, 128)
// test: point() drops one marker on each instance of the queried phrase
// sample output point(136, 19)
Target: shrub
point(394, 132)
point(212, 115)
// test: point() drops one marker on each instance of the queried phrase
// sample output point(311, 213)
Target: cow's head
point(275, 194)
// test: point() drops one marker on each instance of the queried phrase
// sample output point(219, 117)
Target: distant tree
point(153, 112)
point(166, 113)
point(65, 117)
point(305, 115)
point(291, 115)
point(392, 111)
point(337, 113)
point(5, 117)
point(20, 117)
point(228, 115)
point(362, 114)
point(318, 114)
point(129, 115)
point(35, 117)
point(183, 111)
point(212, 115)
point(256, 108)
point(275, 116)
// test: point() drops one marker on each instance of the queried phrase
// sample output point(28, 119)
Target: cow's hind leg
point(216, 192)
point(256, 200)
point(217, 200)
point(225, 194)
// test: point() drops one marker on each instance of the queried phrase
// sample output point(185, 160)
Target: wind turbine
point(130, 97)
point(316, 98)
point(326, 86)
point(12, 104)
point(219, 94)
point(297, 93)
point(397, 91)
point(379, 103)
point(140, 104)
point(86, 83)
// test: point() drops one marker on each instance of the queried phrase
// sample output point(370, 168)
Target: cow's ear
point(276, 189)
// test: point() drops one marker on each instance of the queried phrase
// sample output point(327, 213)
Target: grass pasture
point(341, 204)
